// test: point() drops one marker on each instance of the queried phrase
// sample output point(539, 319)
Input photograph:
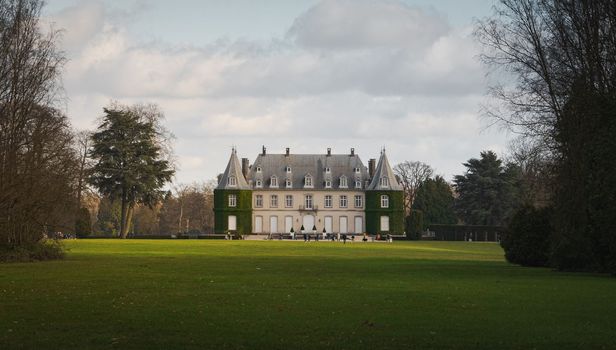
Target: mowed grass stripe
point(284, 295)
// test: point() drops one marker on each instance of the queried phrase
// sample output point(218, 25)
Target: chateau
point(332, 193)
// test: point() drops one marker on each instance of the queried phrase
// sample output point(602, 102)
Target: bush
point(47, 249)
point(527, 239)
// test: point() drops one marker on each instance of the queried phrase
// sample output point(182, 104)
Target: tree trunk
point(129, 219)
point(123, 215)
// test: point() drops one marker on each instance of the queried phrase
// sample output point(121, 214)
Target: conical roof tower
point(384, 178)
point(233, 178)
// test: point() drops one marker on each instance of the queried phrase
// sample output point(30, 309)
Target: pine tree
point(488, 192)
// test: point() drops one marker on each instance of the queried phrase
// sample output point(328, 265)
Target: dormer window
point(328, 170)
point(274, 182)
point(288, 169)
point(259, 183)
point(308, 181)
point(259, 169)
point(288, 183)
point(343, 182)
point(357, 183)
point(384, 182)
point(232, 181)
point(328, 183)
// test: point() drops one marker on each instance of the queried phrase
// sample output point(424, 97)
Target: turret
point(384, 200)
point(233, 199)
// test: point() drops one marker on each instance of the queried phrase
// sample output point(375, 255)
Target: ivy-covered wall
point(374, 212)
point(243, 211)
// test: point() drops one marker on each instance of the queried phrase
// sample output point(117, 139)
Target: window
point(359, 201)
point(359, 225)
point(357, 183)
point(232, 181)
point(259, 183)
point(288, 223)
point(384, 223)
point(356, 170)
point(329, 224)
point(288, 183)
point(288, 201)
point(259, 201)
point(308, 181)
point(328, 201)
point(274, 201)
point(274, 181)
point(258, 224)
point(343, 182)
point(232, 200)
point(273, 224)
point(288, 169)
point(328, 170)
point(343, 201)
point(384, 182)
point(328, 183)
point(384, 201)
point(232, 223)
point(308, 201)
point(258, 169)
point(344, 224)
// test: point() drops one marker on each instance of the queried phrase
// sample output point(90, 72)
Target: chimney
point(287, 152)
point(264, 150)
point(245, 167)
point(329, 151)
point(371, 167)
point(352, 151)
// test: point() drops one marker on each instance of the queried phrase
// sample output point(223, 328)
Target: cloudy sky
point(285, 73)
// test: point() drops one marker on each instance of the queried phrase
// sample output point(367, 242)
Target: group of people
point(344, 237)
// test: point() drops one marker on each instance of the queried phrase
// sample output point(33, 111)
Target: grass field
point(166, 294)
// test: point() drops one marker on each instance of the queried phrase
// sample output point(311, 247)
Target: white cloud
point(348, 74)
point(360, 24)
point(80, 23)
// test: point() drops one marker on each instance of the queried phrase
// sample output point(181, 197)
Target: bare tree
point(536, 167)
point(411, 175)
point(36, 153)
point(83, 143)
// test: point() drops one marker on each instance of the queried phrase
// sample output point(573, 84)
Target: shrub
point(46, 249)
point(527, 239)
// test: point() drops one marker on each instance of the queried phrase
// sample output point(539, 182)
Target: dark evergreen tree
point(527, 239)
point(130, 164)
point(435, 199)
point(108, 217)
point(83, 223)
point(414, 225)
point(488, 192)
point(585, 196)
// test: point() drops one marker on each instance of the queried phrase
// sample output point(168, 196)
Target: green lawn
point(186, 294)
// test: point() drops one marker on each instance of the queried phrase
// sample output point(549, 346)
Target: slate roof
point(313, 164)
point(383, 169)
point(233, 169)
